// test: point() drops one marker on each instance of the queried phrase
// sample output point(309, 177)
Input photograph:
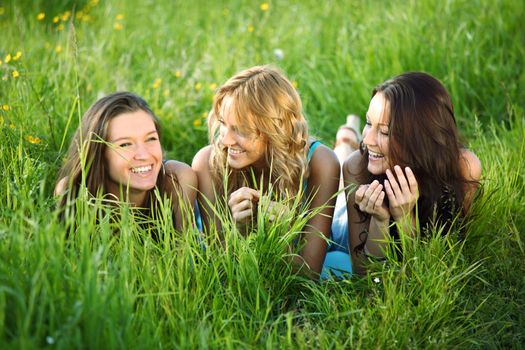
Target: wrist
point(406, 216)
point(381, 221)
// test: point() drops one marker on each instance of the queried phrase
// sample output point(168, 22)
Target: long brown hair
point(267, 105)
point(85, 157)
point(423, 135)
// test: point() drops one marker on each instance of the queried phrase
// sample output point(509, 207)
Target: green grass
point(99, 289)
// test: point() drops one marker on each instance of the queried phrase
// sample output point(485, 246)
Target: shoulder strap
point(311, 150)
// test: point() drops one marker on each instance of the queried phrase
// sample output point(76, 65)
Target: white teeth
point(235, 151)
point(142, 169)
point(374, 155)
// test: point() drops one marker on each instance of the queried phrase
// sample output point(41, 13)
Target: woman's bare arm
point(323, 184)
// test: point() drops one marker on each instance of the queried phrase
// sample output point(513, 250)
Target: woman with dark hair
point(117, 151)
point(411, 168)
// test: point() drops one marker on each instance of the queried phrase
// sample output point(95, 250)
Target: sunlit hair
point(266, 105)
point(423, 135)
point(86, 152)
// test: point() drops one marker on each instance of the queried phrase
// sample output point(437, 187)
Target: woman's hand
point(272, 209)
point(370, 199)
point(402, 192)
point(242, 204)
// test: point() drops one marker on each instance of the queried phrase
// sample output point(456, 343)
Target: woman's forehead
point(379, 108)
point(235, 113)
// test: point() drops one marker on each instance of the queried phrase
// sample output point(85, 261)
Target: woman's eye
point(385, 133)
point(124, 144)
point(152, 138)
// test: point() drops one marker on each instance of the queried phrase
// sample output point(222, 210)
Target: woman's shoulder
point(182, 171)
point(201, 159)
point(470, 165)
point(323, 158)
point(352, 165)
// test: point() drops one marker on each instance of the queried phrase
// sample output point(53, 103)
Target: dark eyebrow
point(126, 137)
point(384, 124)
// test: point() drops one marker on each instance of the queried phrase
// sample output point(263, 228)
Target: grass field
point(98, 290)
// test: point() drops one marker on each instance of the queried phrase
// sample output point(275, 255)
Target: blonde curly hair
point(266, 104)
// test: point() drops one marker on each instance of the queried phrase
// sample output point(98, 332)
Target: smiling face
point(376, 134)
point(245, 148)
point(133, 155)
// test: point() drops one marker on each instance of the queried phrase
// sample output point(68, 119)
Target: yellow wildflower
point(33, 140)
point(204, 115)
point(93, 2)
point(2, 11)
point(250, 28)
point(58, 49)
point(15, 74)
point(265, 6)
point(86, 18)
point(17, 56)
point(212, 86)
point(166, 92)
point(198, 86)
point(12, 126)
point(295, 84)
point(4, 78)
point(178, 74)
point(5, 107)
point(8, 58)
point(1, 62)
point(60, 27)
point(197, 122)
point(118, 26)
point(156, 83)
point(65, 16)
point(79, 15)
point(41, 16)
point(119, 17)
point(56, 19)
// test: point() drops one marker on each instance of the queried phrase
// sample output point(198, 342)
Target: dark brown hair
point(423, 135)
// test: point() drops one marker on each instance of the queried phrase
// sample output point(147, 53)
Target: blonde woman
point(258, 135)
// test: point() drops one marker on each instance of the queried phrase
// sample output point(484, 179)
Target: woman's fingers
point(239, 216)
point(412, 182)
point(401, 178)
point(373, 197)
point(390, 193)
point(241, 203)
point(394, 185)
point(360, 193)
point(242, 194)
point(379, 201)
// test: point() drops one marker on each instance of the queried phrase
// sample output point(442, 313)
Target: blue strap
point(313, 146)
point(311, 150)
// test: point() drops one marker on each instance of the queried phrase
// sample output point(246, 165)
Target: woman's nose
point(368, 136)
point(227, 138)
point(141, 152)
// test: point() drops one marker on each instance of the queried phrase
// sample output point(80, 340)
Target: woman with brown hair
point(411, 169)
point(116, 153)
